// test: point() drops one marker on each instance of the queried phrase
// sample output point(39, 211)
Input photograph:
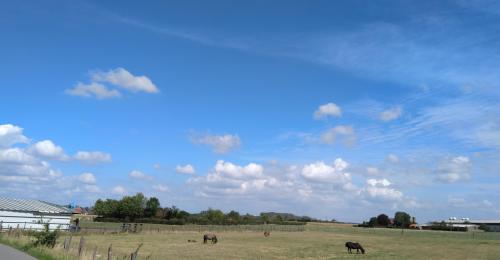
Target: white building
point(32, 214)
point(492, 225)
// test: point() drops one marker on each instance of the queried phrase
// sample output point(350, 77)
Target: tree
point(107, 208)
point(402, 219)
point(264, 217)
point(383, 220)
point(214, 216)
point(132, 207)
point(152, 206)
point(233, 217)
point(372, 222)
point(171, 213)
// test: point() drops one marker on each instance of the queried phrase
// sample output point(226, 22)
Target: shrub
point(46, 238)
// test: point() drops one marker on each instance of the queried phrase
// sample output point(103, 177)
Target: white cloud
point(391, 114)
point(16, 155)
point(24, 171)
point(345, 132)
point(160, 188)
point(231, 179)
point(380, 189)
point(252, 170)
point(10, 134)
point(186, 169)
point(220, 143)
point(118, 190)
point(454, 170)
point(140, 175)
point(93, 157)
point(393, 158)
point(122, 78)
point(48, 149)
point(87, 178)
point(321, 172)
point(93, 89)
point(326, 110)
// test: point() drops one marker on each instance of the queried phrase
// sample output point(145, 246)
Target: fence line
point(139, 228)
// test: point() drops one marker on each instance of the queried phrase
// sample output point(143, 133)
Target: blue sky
point(329, 109)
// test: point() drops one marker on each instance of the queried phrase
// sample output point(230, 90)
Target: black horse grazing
point(351, 245)
point(211, 237)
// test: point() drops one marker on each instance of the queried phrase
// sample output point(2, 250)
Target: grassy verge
point(37, 252)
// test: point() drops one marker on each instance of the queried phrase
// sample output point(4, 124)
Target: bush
point(484, 227)
point(46, 238)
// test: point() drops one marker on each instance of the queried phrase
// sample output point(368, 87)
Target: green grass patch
point(40, 253)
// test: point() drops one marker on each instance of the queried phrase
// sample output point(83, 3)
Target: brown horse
point(267, 233)
point(211, 237)
point(352, 245)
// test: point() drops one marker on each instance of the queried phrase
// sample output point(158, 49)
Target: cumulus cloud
point(87, 178)
point(236, 171)
point(185, 169)
point(135, 174)
point(391, 114)
point(118, 190)
point(92, 157)
point(454, 170)
point(104, 85)
point(319, 171)
point(220, 143)
point(277, 183)
point(122, 78)
point(25, 171)
point(326, 110)
point(11, 134)
point(160, 188)
point(94, 90)
point(380, 189)
point(228, 178)
point(48, 149)
point(346, 133)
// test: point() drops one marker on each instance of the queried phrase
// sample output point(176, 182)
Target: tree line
point(401, 220)
point(139, 208)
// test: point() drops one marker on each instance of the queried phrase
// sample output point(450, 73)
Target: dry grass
point(318, 242)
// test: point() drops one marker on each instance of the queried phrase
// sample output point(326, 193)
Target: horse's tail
point(362, 249)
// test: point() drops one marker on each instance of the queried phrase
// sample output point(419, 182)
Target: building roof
point(474, 221)
point(29, 205)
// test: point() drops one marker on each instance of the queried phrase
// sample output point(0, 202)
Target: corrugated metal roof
point(28, 205)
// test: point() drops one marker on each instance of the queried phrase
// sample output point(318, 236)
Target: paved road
point(9, 253)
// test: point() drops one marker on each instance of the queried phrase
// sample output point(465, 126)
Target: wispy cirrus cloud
point(93, 90)
point(220, 143)
point(92, 157)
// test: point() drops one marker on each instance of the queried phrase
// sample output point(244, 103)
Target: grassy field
point(316, 242)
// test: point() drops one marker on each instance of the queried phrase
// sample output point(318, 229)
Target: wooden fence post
point(94, 254)
point(65, 244)
point(133, 256)
point(81, 245)
point(110, 253)
point(1, 226)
